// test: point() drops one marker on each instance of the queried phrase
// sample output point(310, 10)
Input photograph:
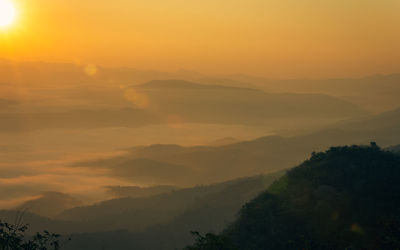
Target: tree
point(13, 237)
point(211, 242)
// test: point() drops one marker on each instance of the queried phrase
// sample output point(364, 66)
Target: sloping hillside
point(206, 164)
point(344, 198)
point(384, 120)
point(158, 211)
point(213, 211)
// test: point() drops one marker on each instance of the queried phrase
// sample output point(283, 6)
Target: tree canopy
point(344, 198)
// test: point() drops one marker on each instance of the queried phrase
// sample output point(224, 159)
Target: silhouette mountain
point(384, 120)
point(137, 214)
point(174, 102)
point(344, 198)
point(50, 204)
point(224, 141)
point(376, 93)
point(193, 102)
point(212, 211)
point(208, 164)
point(138, 192)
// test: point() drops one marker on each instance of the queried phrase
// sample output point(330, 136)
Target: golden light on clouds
point(7, 13)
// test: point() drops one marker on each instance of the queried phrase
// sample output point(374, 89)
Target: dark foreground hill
point(344, 198)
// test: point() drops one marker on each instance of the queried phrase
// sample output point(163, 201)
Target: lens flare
point(7, 13)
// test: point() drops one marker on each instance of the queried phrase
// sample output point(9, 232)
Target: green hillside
point(344, 198)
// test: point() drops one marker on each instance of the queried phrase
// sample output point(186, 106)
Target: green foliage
point(344, 198)
point(279, 185)
point(12, 237)
point(211, 242)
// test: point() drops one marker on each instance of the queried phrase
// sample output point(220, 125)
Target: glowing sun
point(7, 13)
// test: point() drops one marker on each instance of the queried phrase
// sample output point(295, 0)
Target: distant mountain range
point(50, 204)
point(192, 102)
point(139, 192)
point(176, 102)
point(376, 93)
point(64, 96)
point(207, 164)
point(170, 216)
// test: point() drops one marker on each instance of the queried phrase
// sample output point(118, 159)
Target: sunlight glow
point(7, 13)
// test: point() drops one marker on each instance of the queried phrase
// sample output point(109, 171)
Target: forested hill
point(344, 198)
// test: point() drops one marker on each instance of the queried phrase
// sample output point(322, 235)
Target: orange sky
point(273, 38)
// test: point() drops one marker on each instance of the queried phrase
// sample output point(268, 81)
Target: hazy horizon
point(56, 115)
point(85, 66)
point(279, 39)
point(130, 124)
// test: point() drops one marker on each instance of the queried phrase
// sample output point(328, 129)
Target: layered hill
point(141, 213)
point(207, 164)
point(221, 104)
point(376, 93)
point(173, 103)
point(213, 211)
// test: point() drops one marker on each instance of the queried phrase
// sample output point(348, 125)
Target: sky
point(270, 38)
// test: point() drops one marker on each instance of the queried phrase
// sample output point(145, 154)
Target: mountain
point(50, 204)
point(38, 223)
point(212, 211)
point(152, 171)
point(207, 164)
point(376, 93)
point(224, 141)
point(388, 119)
point(172, 103)
point(138, 192)
point(344, 198)
point(330, 189)
point(141, 213)
point(62, 83)
point(185, 101)
point(170, 204)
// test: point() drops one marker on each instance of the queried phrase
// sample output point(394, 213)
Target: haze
point(279, 39)
point(130, 124)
